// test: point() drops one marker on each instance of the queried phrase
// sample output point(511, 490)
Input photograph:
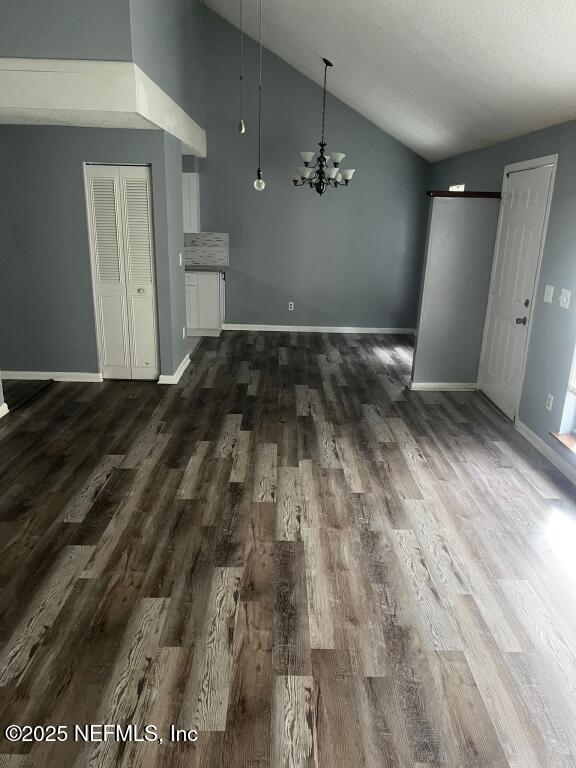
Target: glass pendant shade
point(304, 172)
point(307, 157)
point(347, 173)
point(337, 157)
point(241, 127)
point(259, 185)
point(331, 172)
point(338, 176)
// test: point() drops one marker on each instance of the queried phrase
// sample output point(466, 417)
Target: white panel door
point(136, 219)
point(521, 232)
point(209, 300)
point(108, 271)
point(120, 217)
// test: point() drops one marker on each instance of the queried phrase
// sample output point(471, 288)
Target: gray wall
point(166, 44)
point(65, 29)
point(46, 303)
point(349, 258)
point(553, 337)
point(456, 282)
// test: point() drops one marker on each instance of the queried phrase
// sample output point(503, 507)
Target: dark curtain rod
point(447, 193)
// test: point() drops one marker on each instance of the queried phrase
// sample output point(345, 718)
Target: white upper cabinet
point(191, 201)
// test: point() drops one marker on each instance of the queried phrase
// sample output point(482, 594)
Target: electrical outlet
point(549, 294)
point(564, 298)
point(290, 305)
point(549, 402)
point(183, 331)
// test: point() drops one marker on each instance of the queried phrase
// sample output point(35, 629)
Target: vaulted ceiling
point(442, 76)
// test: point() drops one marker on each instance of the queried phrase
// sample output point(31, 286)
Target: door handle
point(521, 320)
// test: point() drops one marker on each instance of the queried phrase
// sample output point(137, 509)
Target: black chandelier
point(319, 175)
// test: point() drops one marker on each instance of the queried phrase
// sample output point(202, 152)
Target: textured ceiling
point(442, 76)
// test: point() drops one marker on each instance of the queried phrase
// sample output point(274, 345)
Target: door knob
point(141, 290)
point(521, 320)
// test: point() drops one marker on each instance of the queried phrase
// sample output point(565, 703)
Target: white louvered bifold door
point(136, 207)
point(120, 215)
point(108, 270)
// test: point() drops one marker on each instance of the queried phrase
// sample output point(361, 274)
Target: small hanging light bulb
point(241, 126)
point(259, 183)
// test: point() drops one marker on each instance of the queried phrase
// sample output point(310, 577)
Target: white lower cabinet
point(204, 303)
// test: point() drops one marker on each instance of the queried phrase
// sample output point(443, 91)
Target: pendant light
point(259, 183)
point(241, 124)
point(319, 175)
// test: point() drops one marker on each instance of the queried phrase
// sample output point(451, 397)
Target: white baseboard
point(55, 375)
point(441, 386)
point(567, 469)
point(175, 378)
point(313, 328)
point(3, 410)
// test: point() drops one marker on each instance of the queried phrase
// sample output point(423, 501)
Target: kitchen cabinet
point(191, 201)
point(205, 301)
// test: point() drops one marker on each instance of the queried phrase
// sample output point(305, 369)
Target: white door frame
point(85, 166)
point(524, 165)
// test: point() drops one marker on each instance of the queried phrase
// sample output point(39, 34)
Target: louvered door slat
point(108, 264)
point(138, 233)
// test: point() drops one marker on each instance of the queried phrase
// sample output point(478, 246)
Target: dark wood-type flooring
point(18, 391)
point(295, 555)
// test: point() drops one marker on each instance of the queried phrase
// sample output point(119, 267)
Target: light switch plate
point(564, 298)
point(549, 294)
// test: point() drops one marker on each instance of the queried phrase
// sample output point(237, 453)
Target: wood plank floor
point(293, 554)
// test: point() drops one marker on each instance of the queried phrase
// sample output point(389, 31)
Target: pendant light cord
point(260, 91)
point(241, 62)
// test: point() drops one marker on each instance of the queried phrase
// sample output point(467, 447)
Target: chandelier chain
point(324, 104)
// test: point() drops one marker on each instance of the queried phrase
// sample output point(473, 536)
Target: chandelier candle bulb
point(318, 175)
